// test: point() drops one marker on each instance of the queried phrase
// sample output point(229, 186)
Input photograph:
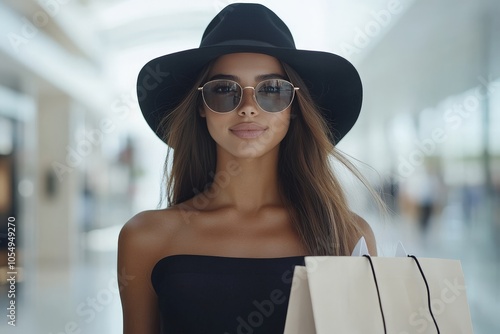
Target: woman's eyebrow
point(224, 76)
point(257, 78)
point(270, 76)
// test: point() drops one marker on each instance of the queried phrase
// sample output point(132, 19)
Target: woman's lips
point(247, 133)
point(248, 130)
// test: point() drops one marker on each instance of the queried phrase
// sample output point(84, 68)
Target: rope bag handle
point(426, 286)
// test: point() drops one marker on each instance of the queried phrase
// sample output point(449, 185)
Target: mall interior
point(77, 160)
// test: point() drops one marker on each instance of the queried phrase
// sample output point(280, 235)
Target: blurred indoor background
point(77, 160)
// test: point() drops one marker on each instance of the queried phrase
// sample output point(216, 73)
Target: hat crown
point(247, 24)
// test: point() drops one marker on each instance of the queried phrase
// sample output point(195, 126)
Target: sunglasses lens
point(222, 95)
point(274, 95)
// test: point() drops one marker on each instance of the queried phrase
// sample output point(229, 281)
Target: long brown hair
point(309, 189)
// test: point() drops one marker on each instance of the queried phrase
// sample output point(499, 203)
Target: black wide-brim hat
point(333, 82)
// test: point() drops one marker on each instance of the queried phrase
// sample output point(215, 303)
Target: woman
point(252, 122)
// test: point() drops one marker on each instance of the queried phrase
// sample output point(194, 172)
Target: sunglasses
point(223, 96)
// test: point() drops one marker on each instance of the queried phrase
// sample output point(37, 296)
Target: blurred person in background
point(424, 191)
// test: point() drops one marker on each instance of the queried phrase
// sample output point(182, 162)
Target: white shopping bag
point(338, 294)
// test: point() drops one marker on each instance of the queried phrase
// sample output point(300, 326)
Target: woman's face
point(248, 131)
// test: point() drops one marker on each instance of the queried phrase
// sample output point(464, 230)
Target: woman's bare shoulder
point(152, 224)
point(365, 231)
point(157, 226)
point(150, 219)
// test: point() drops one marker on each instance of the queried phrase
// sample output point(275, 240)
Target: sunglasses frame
point(241, 97)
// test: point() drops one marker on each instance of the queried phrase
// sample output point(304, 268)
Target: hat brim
point(333, 82)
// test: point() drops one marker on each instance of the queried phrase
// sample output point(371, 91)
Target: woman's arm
point(136, 258)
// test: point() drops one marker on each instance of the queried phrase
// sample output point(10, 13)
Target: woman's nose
point(248, 105)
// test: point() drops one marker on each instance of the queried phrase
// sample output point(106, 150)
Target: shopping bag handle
point(378, 292)
point(428, 291)
point(380, 300)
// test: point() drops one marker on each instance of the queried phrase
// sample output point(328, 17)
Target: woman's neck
point(245, 184)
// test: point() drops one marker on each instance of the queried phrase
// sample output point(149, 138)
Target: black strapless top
point(223, 295)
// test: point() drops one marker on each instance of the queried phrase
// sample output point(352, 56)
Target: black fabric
point(211, 294)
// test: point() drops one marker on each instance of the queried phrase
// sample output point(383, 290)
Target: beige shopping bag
point(338, 294)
